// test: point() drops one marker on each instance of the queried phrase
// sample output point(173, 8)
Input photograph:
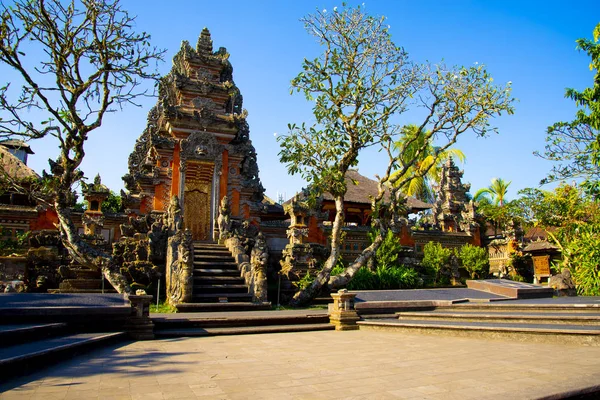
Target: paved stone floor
point(316, 365)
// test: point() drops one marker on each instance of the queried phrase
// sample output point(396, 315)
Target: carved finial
point(205, 45)
point(97, 180)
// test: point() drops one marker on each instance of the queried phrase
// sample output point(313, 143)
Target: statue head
point(224, 205)
point(261, 242)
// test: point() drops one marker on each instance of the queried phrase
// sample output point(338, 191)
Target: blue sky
point(530, 43)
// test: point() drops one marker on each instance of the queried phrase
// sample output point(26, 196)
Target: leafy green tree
point(427, 168)
point(76, 60)
point(502, 218)
point(475, 260)
point(497, 191)
point(359, 82)
point(436, 259)
point(575, 145)
point(571, 219)
point(388, 252)
point(112, 204)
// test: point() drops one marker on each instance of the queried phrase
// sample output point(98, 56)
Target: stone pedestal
point(342, 313)
point(140, 326)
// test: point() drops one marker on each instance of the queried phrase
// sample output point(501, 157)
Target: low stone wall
point(253, 275)
point(12, 269)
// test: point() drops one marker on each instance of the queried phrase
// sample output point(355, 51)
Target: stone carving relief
point(201, 146)
point(224, 219)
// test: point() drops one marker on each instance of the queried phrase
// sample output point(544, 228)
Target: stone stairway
point(574, 324)
point(240, 323)
point(39, 329)
point(26, 347)
point(218, 285)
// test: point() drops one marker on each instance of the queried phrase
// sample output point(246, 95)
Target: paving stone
point(352, 365)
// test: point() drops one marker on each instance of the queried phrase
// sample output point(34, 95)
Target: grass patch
point(163, 308)
point(312, 307)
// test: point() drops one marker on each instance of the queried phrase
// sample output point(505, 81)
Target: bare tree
point(77, 61)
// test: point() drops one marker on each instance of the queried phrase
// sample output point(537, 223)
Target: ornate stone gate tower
point(196, 145)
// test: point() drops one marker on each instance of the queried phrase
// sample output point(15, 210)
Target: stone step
point(219, 280)
point(214, 297)
point(81, 284)
point(12, 334)
point(236, 320)
point(222, 264)
point(509, 306)
point(208, 245)
point(87, 274)
point(192, 332)
point(217, 272)
point(551, 333)
point(224, 251)
point(107, 289)
point(22, 358)
point(212, 249)
point(213, 258)
point(221, 288)
point(563, 318)
point(220, 307)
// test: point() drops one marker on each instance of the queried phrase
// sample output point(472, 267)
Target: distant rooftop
point(13, 166)
point(17, 144)
point(360, 189)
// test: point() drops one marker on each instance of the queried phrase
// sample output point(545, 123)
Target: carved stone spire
point(205, 44)
point(452, 199)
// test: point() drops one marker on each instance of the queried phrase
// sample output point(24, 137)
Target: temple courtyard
point(360, 364)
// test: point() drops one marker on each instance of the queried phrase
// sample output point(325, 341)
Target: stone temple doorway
point(198, 199)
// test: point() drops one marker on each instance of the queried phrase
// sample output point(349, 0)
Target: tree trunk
point(87, 255)
point(311, 291)
point(341, 280)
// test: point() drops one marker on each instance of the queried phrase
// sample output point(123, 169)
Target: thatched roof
point(17, 144)
point(14, 167)
point(540, 245)
point(537, 233)
point(360, 188)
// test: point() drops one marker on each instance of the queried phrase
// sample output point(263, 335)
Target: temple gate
point(196, 145)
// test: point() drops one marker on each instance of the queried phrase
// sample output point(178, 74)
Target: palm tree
point(497, 190)
point(426, 171)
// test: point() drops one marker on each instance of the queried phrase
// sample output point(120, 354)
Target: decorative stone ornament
point(342, 313)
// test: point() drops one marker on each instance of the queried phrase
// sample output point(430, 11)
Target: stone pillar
point(140, 326)
point(342, 313)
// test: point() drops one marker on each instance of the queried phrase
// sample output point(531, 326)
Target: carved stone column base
point(344, 320)
point(342, 313)
point(140, 329)
point(140, 326)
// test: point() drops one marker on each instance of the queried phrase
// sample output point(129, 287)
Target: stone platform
point(53, 307)
point(508, 288)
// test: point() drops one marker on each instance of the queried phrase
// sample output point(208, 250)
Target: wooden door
point(197, 200)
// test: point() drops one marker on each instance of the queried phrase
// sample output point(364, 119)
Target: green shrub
point(383, 278)
point(364, 279)
point(583, 256)
point(388, 274)
point(436, 260)
point(304, 282)
point(388, 251)
point(475, 260)
point(397, 277)
point(522, 266)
